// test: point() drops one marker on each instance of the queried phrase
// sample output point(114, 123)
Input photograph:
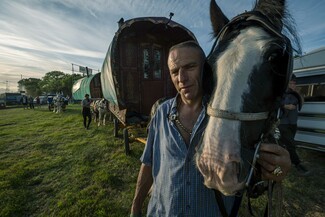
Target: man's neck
point(190, 105)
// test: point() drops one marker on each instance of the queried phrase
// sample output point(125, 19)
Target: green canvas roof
point(81, 87)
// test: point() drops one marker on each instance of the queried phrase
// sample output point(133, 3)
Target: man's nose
point(182, 75)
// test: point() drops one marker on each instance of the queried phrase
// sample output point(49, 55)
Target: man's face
point(185, 67)
point(292, 85)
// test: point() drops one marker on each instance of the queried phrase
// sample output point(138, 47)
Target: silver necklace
point(178, 121)
point(182, 126)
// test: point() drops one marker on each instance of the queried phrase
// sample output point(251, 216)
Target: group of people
point(167, 154)
point(27, 101)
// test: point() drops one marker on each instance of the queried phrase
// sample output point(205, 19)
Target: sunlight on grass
point(51, 165)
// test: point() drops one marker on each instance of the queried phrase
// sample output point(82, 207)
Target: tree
point(32, 86)
point(68, 81)
point(52, 82)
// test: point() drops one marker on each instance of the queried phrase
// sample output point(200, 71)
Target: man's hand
point(290, 107)
point(272, 156)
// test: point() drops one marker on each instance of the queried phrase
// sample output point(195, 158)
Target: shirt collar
point(205, 100)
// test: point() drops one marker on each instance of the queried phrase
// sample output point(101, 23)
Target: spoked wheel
point(115, 127)
point(126, 141)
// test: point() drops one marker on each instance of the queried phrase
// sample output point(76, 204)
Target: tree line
point(52, 82)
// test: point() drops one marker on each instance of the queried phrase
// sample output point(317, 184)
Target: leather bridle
point(261, 20)
point(239, 116)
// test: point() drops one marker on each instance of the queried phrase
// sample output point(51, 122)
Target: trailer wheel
point(115, 127)
point(126, 141)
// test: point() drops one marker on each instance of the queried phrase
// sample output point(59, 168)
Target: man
point(49, 102)
point(24, 100)
point(86, 113)
point(167, 161)
point(291, 104)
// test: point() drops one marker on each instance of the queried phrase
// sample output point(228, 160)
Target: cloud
point(41, 36)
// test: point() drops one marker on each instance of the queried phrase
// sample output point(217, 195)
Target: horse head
point(252, 62)
point(102, 104)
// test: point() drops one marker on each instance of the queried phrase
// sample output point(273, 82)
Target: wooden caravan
point(90, 84)
point(135, 73)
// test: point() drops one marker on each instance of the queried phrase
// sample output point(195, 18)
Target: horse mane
point(279, 14)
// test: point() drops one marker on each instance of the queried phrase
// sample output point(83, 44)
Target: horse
point(251, 62)
point(94, 110)
point(103, 111)
point(58, 104)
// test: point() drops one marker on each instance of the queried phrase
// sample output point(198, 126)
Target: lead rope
point(269, 207)
point(275, 133)
point(271, 184)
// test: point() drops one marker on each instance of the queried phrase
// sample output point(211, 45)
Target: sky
point(39, 36)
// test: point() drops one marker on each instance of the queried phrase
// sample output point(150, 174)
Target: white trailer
point(310, 72)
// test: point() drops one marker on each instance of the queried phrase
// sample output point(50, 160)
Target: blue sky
point(39, 36)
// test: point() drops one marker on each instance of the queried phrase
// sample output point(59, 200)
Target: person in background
point(49, 102)
point(86, 113)
point(168, 159)
point(291, 104)
point(31, 102)
point(38, 102)
point(24, 100)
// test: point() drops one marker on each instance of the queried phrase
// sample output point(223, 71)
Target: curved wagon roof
point(90, 85)
point(121, 78)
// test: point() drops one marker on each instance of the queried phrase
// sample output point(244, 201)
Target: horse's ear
point(273, 9)
point(218, 19)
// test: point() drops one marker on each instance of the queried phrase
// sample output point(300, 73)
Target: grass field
point(51, 166)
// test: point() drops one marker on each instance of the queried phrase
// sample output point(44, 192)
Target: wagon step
point(142, 140)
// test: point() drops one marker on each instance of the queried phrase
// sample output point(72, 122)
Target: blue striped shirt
point(178, 188)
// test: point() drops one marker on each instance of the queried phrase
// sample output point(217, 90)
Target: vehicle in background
point(43, 100)
point(11, 98)
point(2, 104)
point(310, 72)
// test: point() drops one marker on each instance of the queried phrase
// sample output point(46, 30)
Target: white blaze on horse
point(251, 62)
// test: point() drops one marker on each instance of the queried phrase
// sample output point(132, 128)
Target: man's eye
point(190, 66)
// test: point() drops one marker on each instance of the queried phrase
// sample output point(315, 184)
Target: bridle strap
point(239, 116)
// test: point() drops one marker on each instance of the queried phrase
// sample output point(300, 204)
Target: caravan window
point(146, 63)
point(157, 64)
point(152, 62)
point(312, 92)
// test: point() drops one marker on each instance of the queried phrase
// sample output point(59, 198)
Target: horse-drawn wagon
point(135, 74)
point(90, 85)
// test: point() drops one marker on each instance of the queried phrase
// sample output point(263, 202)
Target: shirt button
point(188, 206)
point(188, 183)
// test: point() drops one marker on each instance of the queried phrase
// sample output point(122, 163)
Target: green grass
point(51, 166)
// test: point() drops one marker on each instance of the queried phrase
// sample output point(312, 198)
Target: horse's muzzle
point(222, 174)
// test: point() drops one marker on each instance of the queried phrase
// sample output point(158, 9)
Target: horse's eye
point(273, 57)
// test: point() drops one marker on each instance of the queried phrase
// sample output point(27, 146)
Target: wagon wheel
point(115, 127)
point(126, 141)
